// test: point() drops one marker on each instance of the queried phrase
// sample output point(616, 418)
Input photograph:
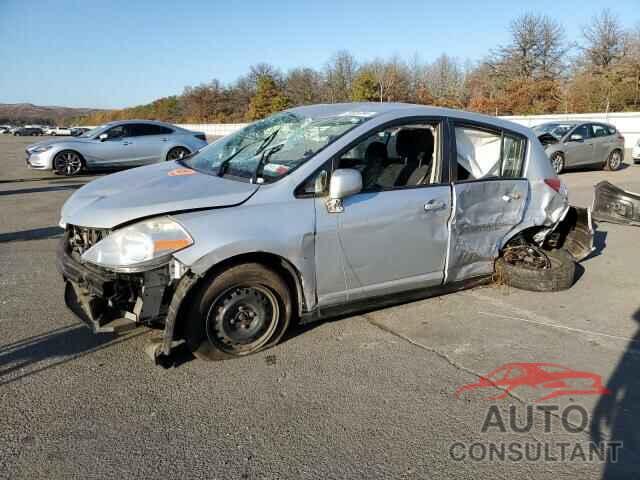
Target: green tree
point(365, 87)
point(269, 98)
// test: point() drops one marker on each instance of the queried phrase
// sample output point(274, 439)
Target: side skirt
point(376, 303)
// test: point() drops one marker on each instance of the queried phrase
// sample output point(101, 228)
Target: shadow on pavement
point(58, 188)
point(33, 234)
point(619, 414)
point(36, 354)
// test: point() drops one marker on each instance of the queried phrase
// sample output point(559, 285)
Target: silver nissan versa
point(315, 211)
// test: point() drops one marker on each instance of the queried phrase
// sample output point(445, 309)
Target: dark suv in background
point(28, 131)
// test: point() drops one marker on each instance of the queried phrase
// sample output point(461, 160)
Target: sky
point(117, 53)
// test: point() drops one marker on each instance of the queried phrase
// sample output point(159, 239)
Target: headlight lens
point(143, 244)
point(41, 149)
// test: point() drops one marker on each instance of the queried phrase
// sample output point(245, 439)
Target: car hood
point(148, 191)
point(53, 141)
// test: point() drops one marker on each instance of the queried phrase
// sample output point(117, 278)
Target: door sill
point(383, 301)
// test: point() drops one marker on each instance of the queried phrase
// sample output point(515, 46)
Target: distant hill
point(24, 113)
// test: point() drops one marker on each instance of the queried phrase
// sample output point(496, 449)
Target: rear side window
point(143, 129)
point(513, 150)
point(600, 131)
point(487, 154)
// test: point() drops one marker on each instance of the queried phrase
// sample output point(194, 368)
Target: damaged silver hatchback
point(312, 212)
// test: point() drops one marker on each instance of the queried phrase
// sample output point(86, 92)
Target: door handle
point(126, 143)
point(433, 205)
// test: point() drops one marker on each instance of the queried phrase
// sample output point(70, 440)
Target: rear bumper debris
point(615, 205)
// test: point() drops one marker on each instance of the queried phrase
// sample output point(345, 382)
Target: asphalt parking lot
point(368, 396)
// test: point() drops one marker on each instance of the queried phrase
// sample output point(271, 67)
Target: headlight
point(41, 149)
point(143, 244)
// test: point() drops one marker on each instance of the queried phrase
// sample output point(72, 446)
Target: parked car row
point(128, 143)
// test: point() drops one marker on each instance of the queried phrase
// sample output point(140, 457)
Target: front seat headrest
point(411, 142)
point(375, 151)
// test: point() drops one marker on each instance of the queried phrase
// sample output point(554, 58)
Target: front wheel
point(177, 153)
point(614, 161)
point(243, 310)
point(67, 163)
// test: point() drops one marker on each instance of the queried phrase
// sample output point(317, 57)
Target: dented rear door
point(484, 212)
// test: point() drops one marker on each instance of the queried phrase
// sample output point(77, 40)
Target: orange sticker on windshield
point(178, 172)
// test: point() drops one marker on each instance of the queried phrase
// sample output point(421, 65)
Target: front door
point(111, 151)
point(580, 151)
point(393, 235)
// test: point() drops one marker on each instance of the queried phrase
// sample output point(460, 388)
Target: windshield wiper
point(222, 168)
point(264, 158)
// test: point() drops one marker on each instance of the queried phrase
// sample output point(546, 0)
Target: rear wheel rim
point(615, 161)
point(557, 162)
point(68, 163)
point(177, 153)
point(243, 319)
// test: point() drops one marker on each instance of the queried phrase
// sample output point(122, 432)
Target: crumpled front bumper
point(109, 301)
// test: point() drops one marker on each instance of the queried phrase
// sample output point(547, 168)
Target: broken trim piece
point(577, 232)
point(615, 205)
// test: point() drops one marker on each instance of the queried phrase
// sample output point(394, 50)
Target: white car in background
point(635, 153)
point(55, 131)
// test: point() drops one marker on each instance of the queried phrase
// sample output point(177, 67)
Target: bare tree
point(303, 86)
point(605, 40)
point(340, 72)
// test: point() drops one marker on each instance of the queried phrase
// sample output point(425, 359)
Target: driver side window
point(396, 157)
point(117, 132)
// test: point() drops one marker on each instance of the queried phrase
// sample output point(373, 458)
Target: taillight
point(620, 137)
point(554, 183)
point(201, 136)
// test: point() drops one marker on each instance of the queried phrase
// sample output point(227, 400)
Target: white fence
point(213, 129)
point(627, 123)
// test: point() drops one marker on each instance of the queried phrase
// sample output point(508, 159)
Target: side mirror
point(344, 183)
point(576, 137)
point(103, 137)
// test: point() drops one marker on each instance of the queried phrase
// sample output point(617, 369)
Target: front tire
point(557, 162)
point(614, 162)
point(177, 153)
point(243, 310)
point(68, 163)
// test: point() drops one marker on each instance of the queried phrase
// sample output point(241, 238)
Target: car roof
point(373, 109)
point(149, 122)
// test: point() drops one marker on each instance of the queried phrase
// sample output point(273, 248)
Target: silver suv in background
point(129, 143)
point(576, 144)
point(316, 211)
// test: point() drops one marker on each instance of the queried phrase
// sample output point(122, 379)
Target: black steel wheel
point(242, 318)
point(242, 310)
point(67, 163)
point(177, 153)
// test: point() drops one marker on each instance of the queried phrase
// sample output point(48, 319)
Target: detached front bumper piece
point(615, 205)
